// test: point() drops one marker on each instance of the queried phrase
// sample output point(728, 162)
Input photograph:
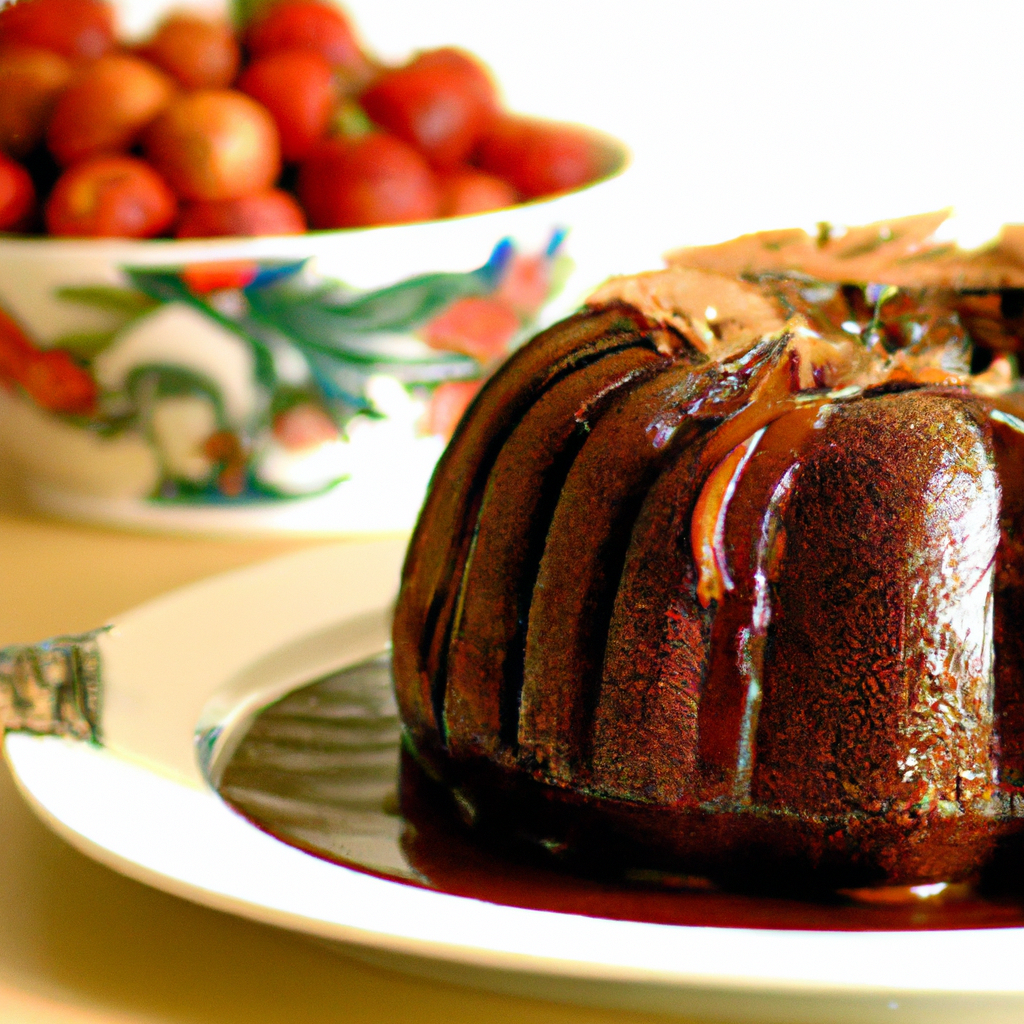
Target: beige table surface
point(80, 943)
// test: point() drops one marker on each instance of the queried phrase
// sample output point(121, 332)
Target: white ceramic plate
point(201, 660)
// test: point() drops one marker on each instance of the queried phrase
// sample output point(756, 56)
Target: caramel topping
point(708, 530)
point(718, 316)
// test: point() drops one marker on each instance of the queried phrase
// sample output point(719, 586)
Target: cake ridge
point(577, 402)
point(429, 567)
point(766, 590)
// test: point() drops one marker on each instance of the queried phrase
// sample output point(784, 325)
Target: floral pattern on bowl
point(258, 381)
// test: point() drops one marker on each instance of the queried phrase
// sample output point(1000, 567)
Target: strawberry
point(308, 25)
point(110, 196)
point(541, 158)
point(215, 144)
point(31, 79)
point(376, 179)
point(17, 195)
point(466, 190)
point(198, 52)
point(441, 103)
point(78, 29)
point(298, 88)
point(106, 107)
point(270, 212)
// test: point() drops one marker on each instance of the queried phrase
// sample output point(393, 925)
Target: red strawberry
point(73, 28)
point(466, 190)
point(200, 53)
point(271, 212)
point(541, 158)
point(110, 196)
point(17, 195)
point(441, 103)
point(308, 25)
point(376, 179)
point(297, 87)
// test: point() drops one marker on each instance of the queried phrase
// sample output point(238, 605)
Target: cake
point(724, 573)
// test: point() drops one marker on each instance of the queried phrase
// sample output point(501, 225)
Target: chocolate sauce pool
point(323, 770)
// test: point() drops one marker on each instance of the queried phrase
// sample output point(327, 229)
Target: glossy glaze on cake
point(724, 573)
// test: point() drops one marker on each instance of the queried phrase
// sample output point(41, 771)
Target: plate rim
point(460, 930)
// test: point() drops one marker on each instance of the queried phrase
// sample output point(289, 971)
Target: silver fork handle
point(53, 687)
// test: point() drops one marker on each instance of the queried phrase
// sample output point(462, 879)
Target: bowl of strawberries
point(251, 275)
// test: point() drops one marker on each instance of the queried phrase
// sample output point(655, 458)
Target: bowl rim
point(13, 240)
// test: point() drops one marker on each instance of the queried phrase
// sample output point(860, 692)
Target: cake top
point(906, 251)
point(886, 303)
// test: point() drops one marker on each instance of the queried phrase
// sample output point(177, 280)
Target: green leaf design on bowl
point(321, 315)
point(313, 341)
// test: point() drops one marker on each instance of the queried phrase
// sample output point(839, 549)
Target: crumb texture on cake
point(726, 571)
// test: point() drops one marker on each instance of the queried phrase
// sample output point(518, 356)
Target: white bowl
point(292, 403)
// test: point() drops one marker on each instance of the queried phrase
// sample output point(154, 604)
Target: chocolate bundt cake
point(725, 573)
